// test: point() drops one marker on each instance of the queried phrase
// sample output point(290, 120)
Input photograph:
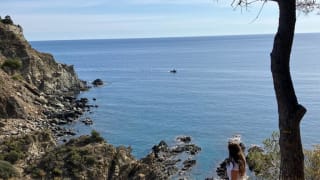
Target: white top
point(235, 167)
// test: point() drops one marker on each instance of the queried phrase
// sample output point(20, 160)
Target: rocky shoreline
point(55, 110)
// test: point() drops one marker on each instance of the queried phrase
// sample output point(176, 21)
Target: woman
point(236, 168)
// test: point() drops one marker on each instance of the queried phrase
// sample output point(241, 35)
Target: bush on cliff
point(265, 162)
point(7, 20)
point(17, 148)
point(11, 65)
point(13, 156)
point(95, 137)
point(17, 77)
point(7, 170)
point(14, 149)
point(72, 159)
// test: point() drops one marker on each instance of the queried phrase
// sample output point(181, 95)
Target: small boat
point(173, 71)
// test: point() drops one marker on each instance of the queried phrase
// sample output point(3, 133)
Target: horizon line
point(167, 37)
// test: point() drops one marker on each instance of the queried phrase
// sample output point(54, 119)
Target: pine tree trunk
point(289, 110)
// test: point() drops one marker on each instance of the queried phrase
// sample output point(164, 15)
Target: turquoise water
point(223, 86)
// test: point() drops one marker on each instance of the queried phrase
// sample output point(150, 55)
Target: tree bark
point(289, 110)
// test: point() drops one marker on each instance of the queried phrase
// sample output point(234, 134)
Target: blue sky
point(104, 19)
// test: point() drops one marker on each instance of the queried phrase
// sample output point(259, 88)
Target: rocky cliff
point(37, 69)
point(26, 74)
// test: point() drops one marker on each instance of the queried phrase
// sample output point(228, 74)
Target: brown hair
point(236, 154)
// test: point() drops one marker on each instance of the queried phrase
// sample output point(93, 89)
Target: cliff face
point(15, 99)
point(38, 69)
point(25, 72)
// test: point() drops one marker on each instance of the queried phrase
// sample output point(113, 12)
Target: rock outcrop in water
point(97, 82)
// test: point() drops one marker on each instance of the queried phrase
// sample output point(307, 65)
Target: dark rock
point(54, 121)
point(70, 119)
point(209, 178)
point(178, 149)
point(172, 162)
point(69, 98)
point(189, 148)
point(185, 139)
point(192, 149)
point(222, 169)
point(87, 121)
point(162, 146)
point(62, 122)
point(188, 164)
point(78, 112)
point(82, 103)
point(84, 100)
point(97, 82)
point(168, 158)
point(68, 132)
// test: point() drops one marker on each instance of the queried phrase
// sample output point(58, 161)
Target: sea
point(223, 86)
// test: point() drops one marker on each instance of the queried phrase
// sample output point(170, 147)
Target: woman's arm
point(234, 174)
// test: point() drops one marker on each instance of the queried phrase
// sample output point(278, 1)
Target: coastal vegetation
point(265, 161)
point(7, 170)
point(11, 65)
point(17, 148)
point(72, 159)
point(7, 20)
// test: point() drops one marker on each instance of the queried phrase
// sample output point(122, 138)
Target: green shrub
point(7, 20)
point(56, 172)
point(95, 136)
point(17, 77)
point(266, 164)
point(74, 158)
point(7, 170)
point(16, 148)
point(13, 156)
point(12, 65)
point(35, 172)
point(90, 160)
